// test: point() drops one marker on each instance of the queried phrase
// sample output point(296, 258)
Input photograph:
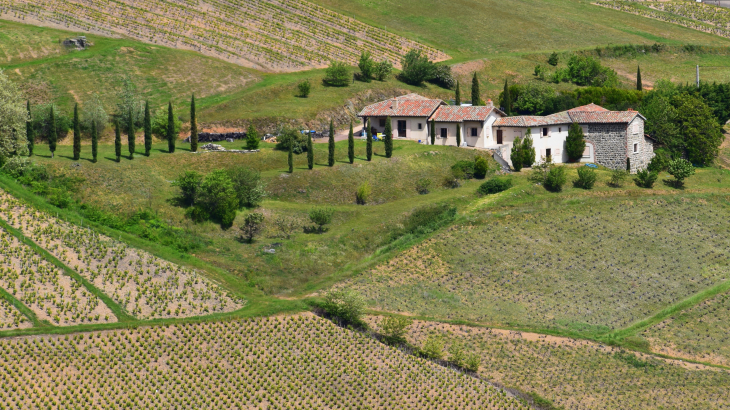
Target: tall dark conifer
point(147, 129)
point(388, 138)
point(170, 129)
point(52, 133)
point(507, 99)
point(369, 143)
point(433, 132)
point(475, 95)
point(117, 141)
point(310, 152)
point(193, 127)
point(29, 132)
point(638, 79)
point(457, 100)
point(458, 135)
point(130, 135)
point(331, 145)
point(290, 157)
point(351, 145)
point(77, 134)
point(94, 141)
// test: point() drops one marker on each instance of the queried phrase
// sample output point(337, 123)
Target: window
point(444, 132)
point(420, 126)
point(587, 152)
point(636, 147)
point(560, 129)
point(548, 154)
point(474, 132)
point(382, 122)
point(545, 132)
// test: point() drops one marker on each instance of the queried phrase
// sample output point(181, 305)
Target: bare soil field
point(269, 35)
point(146, 286)
point(45, 289)
point(294, 362)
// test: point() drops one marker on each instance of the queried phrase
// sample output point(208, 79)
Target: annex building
point(611, 137)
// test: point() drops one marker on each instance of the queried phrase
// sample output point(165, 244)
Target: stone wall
point(635, 135)
point(609, 143)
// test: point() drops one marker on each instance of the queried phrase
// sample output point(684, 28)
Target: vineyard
point(271, 35)
point(698, 16)
point(577, 374)
point(294, 362)
point(592, 267)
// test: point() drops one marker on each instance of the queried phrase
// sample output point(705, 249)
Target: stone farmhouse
point(611, 137)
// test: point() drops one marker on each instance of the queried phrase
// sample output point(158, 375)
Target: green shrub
point(218, 197)
point(618, 176)
point(428, 218)
point(463, 169)
point(495, 185)
point(346, 305)
point(646, 178)
point(60, 198)
point(252, 138)
point(555, 180)
point(473, 361)
point(248, 186)
point(362, 195)
point(586, 178)
point(321, 216)
point(291, 136)
point(433, 348)
point(481, 167)
point(660, 162)
point(457, 354)
point(337, 75)
point(680, 169)
point(304, 89)
point(451, 180)
point(423, 185)
point(394, 328)
point(189, 185)
point(252, 225)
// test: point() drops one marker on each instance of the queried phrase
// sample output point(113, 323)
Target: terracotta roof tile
point(587, 114)
point(453, 113)
point(607, 117)
point(411, 105)
point(589, 107)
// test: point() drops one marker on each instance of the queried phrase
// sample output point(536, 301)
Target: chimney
point(394, 106)
point(490, 104)
point(630, 109)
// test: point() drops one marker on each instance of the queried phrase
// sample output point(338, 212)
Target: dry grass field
point(293, 362)
point(578, 375)
point(268, 35)
point(146, 286)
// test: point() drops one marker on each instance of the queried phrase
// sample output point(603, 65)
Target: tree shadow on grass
point(673, 183)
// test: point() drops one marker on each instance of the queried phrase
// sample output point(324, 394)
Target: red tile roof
point(411, 105)
point(589, 107)
point(587, 114)
point(454, 113)
point(608, 117)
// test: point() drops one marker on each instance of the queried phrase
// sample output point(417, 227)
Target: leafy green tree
point(555, 179)
point(171, 134)
point(252, 138)
point(481, 167)
point(476, 98)
point(394, 329)
point(366, 66)
point(701, 132)
point(29, 132)
point(433, 348)
point(528, 150)
point(147, 129)
point(575, 144)
point(93, 111)
point(304, 88)
point(457, 354)
point(516, 155)
point(189, 184)
point(77, 134)
point(351, 145)
point(661, 122)
point(346, 305)
point(553, 59)
point(416, 68)
point(506, 99)
point(290, 158)
point(193, 126)
point(248, 186)
point(586, 178)
point(337, 75)
point(128, 100)
point(310, 151)
point(383, 70)
point(331, 145)
point(369, 143)
point(433, 132)
point(535, 98)
point(388, 138)
point(130, 135)
point(321, 216)
point(160, 123)
point(680, 169)
point(217, 197)
point(117, 141)
point(458, 135)
point(293, 137)
point(253, 224)
point(585, 70)
point(639, 86)
point(457, 98)
point(52, 133)
point(473, 362)
point(94, 142)
point(442, 76)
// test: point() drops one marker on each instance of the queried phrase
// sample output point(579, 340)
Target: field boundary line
point(117, 309)
point(25, 310)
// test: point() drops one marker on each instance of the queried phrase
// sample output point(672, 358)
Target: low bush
point(321, 216)
point(495, 185)
point(463, 169)
point(346, 305)
point(680, 169)
point(304, 88)
point(451, 180)
point(337, 75)
point(362, 195)
point(555, 179)
point(481, 167)
point(394, 329)
point(429, 218)
point(433, 348)
point(294, 137)
point(660, 162)
point(618, 176)
point(646, 178)
point(252, 226)
point(586, 178)
point(423, 185)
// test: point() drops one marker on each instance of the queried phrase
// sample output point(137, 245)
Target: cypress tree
point(130, 135)
point(170, 129)
point(290, 157)
point(193, 127)
point(351, 145)
point(528, 150)
point(77, 134)
point(29, 132)
point(369, 146)
point(575, 144)
point(433, 132)
point(117, 141)
point(310, 152)
point(638, 79)
point(458, 135)
point(457, 100)
point(331, 145)
point(517, 155)
point(52, 133)
point(388, 140)
point(475, 98)
point(147, 129)
point(252, 138)
point(94, 141)
point(507, 99)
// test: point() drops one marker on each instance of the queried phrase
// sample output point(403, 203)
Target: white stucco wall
point(412, 131)
point(555, 141)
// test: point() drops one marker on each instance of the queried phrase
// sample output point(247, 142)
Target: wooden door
point(499, 137)
point(402, 128)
